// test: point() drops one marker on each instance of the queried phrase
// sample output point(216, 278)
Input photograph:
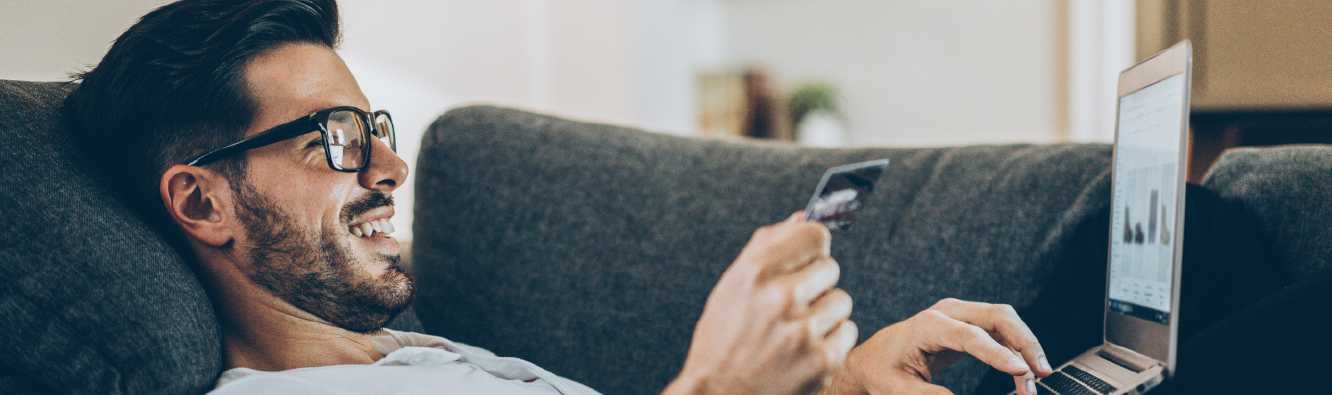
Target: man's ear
point(198, 200)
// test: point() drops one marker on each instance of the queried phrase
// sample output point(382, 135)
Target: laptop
point(1146, 235)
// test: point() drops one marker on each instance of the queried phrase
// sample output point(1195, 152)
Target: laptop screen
point(1145, 200)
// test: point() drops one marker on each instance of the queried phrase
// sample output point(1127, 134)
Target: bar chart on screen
point(1144, 196)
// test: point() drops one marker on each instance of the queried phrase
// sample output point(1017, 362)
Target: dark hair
point(173, 87)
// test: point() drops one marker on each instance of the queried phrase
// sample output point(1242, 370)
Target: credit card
point(842, 192)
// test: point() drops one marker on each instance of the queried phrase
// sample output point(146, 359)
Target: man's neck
point(297, 344)
point(263, 332)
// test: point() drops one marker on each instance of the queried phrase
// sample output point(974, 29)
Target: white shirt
point(413, 363)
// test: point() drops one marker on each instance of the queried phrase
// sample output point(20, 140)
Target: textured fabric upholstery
point(1287, 190)
point(590, 249)
point(92, 301)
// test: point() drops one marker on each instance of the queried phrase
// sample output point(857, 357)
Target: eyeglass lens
point(346, 139)
point(348, 134)
point(384, 126)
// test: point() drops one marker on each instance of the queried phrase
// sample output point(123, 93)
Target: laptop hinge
point(1126, 358)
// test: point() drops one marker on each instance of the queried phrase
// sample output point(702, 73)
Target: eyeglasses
point(347, 133)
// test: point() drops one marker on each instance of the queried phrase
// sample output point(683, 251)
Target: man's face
point(298, 213)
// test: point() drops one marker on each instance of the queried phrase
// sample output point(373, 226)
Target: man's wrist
point(684, 386)
point(843, 382)
point(691, 383)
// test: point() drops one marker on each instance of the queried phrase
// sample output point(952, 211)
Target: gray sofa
point(588, 249)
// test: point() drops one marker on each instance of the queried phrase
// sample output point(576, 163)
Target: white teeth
point(383, 226)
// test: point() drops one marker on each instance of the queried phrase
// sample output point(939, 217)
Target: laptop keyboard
point(1043, 390)
point(1088, 379)
point(1070, 380)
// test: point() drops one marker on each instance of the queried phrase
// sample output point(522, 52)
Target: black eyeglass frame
point(317, 121)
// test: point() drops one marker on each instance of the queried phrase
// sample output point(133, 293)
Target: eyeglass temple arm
point(283, 132)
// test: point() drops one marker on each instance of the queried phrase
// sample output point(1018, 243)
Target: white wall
point(1100, 46)
point(45, 40)
point(673, 40)
point(915, 73)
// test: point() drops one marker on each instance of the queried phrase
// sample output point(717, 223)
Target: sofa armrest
point(1286, 189)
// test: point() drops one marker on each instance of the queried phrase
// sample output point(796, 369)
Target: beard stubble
point(318, 272)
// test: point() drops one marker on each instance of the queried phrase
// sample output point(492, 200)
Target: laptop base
point(1104, 370)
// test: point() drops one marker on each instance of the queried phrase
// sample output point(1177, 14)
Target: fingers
point(1025, 384)
point(840, 342)
point(789, 246)
point(810, 283)
point(830, 310)
point(830, 330)
point(1003, 320)
point(946, 332)
point(800, 244)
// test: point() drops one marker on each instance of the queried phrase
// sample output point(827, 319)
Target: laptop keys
point(1087, 378)
point(1072, 380)
point(1062, 384)
point(1041, 389)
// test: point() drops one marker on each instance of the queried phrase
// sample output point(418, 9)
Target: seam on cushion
point(931, 161)
point(1082, 206)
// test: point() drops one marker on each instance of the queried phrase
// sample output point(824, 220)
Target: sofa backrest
point(590, 249)
point(1287, 190)
point(93, 301)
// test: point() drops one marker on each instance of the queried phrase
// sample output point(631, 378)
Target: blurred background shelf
point(1262, 70)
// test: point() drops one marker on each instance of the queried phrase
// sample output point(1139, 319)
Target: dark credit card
point(841, 193)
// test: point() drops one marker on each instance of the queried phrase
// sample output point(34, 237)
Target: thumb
point(798, 216)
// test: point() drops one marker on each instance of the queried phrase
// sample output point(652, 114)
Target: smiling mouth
point(379, 227)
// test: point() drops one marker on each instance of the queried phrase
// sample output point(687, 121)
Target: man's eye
point(315, 143)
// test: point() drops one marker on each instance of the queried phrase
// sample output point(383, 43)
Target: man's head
point(195, 76)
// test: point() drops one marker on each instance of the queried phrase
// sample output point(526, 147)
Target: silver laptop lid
point(1147, 199)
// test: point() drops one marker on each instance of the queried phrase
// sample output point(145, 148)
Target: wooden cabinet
point(1262, 69)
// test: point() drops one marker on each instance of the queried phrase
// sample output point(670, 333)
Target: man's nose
point(386, 171)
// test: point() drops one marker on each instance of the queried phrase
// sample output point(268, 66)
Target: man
point(251, 147)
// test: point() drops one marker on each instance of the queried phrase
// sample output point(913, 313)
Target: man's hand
point(901, 358)
point(774, 324)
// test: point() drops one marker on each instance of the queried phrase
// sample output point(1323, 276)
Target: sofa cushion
point(1287, 190)
point(92, 302)
point(590, 249)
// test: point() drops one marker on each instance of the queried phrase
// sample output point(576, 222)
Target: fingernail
point(1045, 365)
point(1031, 387)
point(1017, 363)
